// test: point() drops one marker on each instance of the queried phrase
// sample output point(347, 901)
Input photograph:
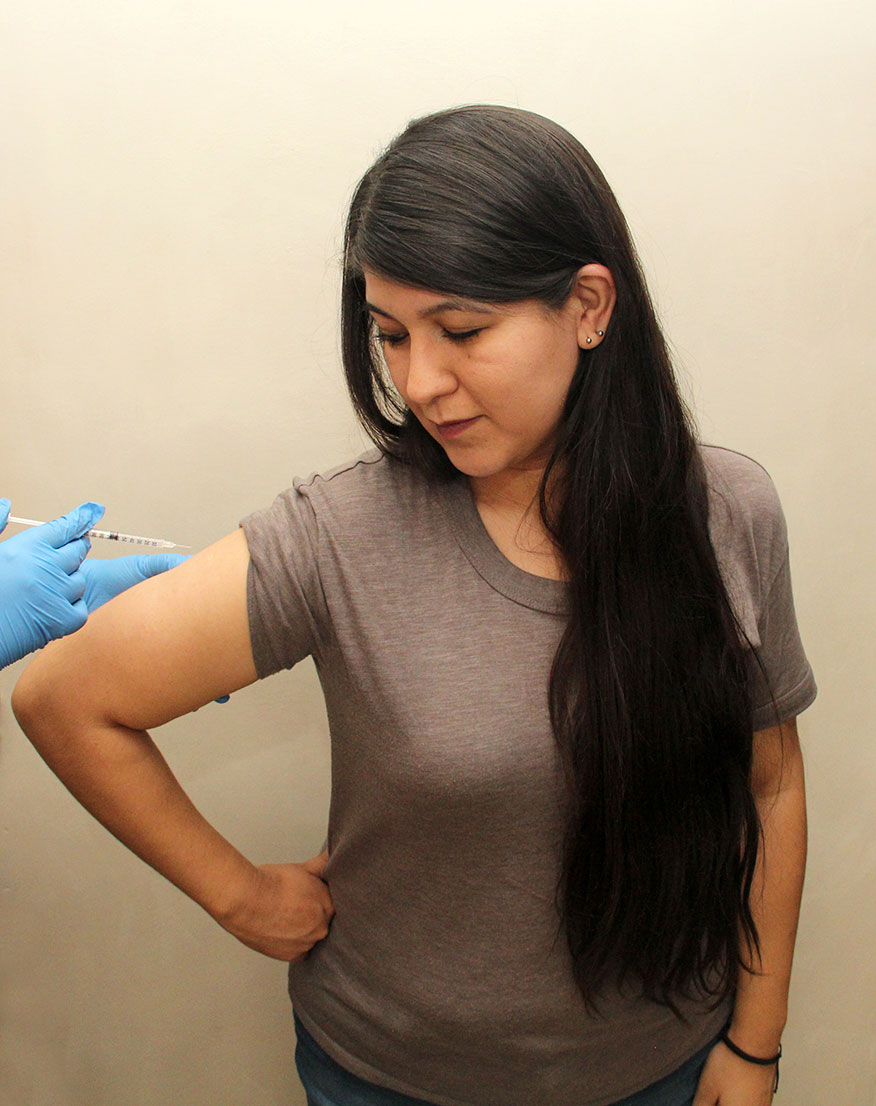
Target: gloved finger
point(74, 586)
point(70, 556)
point(152, 564)
point(79, 617)
point(72, 525)
point(5, 508)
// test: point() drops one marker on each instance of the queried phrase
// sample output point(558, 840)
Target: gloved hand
point(104, 580)
point(47, 587)
point(41, 585)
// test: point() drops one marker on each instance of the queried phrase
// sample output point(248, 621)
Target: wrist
point(230, 892)
point(764, 1062)
point(757, 1037)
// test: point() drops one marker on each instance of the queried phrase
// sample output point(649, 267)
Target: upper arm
point(777, 761)
point(159, 650)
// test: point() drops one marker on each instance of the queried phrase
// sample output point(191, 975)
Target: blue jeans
point(328, 1084)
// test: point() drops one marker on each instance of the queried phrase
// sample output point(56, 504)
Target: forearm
point(119, 775)
point(761, 1003)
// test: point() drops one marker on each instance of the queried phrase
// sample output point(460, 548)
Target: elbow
point(29, 699)
point(38, 699)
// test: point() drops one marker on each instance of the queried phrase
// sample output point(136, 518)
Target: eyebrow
point(455, 304)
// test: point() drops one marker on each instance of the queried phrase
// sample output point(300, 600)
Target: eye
point(462, 335)
point(389, 339)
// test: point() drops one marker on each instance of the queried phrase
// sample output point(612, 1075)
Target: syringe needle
point(111, 535)
point(156, 543)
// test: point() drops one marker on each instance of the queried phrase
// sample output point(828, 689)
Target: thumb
point(72, 525)
point(316, 864)
point(5, 508)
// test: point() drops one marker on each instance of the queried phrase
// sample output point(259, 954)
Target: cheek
point(543, 368)
point(538, 399)
point(553, 386)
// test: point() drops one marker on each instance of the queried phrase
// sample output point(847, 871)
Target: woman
point(560, 661)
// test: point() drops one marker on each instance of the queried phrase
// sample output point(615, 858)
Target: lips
point(456, 427)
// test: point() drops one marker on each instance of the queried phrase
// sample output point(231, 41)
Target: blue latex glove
point(41, 585)
point(104, 580)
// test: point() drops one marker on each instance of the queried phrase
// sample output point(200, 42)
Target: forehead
point(392, 299)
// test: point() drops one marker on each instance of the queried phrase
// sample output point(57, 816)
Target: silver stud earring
point(601, 333)
point(589, 340)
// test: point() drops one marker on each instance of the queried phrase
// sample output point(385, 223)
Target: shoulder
point(739, 477)
point(355, 469)
point(371, 485)
point(372, 472)
point(742, 494)
point(746, 520)
point(371, 499)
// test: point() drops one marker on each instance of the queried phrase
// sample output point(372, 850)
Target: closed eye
point(394, 340)
point(462, 335)
point(389, 339)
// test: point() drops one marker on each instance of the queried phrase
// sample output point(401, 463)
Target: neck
point(508, 505)
point(511, 491)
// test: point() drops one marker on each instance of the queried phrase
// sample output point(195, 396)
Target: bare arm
point(761, 1005)
point(778, 783)
point(160, 650)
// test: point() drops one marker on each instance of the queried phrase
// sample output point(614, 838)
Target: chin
point(482, 465)
point(472, 465)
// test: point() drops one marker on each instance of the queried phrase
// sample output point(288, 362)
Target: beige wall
point(174, 177)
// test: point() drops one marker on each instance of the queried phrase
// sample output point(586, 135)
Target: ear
point(592, 299)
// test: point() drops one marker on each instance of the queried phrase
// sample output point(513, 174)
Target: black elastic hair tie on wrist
point(725, 1037)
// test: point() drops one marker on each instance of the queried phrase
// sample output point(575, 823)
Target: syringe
point(111, 535)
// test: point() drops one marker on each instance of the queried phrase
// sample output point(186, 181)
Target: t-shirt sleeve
point(288, 619)
point(750, 536)
point(785, 685)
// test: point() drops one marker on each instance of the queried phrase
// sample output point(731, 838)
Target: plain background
point(174, 181)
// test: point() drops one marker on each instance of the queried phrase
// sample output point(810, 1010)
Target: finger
point(70, 556)
point(316, 864)
point(153, 564)
point(5, 508)
point(74, 587)
point(80, 615)
point(705, 1097)
point(72, 525)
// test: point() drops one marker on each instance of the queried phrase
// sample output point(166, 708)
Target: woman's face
point(487, 381)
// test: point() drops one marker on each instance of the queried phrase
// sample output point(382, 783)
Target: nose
point(429, 373)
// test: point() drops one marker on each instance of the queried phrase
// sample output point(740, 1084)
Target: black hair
point(648, 691)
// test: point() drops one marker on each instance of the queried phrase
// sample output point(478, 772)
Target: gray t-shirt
point(446, 974)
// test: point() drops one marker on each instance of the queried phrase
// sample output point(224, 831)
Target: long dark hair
point(648, 691)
